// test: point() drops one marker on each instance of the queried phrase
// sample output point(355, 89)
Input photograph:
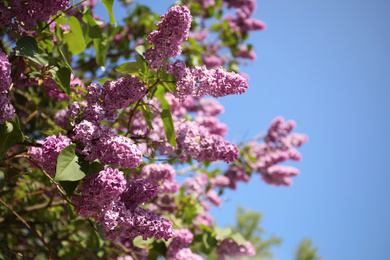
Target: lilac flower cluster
point(236, 174)
point(243, 22)
point(22, 16)
point(212, 61)
point(278, 147)
point(104, 102)
point(51, 148)
point(7, 111)
point(100, 142)
point(195, 141)
point(244, 53)
point(199, 82)
point(114, 203)
point(99, 191)
point(172, 30)
point(163, 175)
point(177, 249)
point(229, 248)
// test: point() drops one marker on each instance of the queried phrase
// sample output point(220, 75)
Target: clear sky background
point(324, 64)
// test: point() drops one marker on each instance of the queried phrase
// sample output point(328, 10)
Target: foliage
point(97, 120)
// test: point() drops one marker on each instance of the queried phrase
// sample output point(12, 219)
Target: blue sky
point(324, 64)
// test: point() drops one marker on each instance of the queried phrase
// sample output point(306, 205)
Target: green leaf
point(222, 232)
point(160, 95)
point(94, 31)
point(93, 240)
point(74, 39)
point(95, 167)
point(239, 239)
point(28, 47)
point(140, 49)
point(72, 213)
point(171, 87)
point(101, 47)
point(57, 130)
point(109, 6)
point(69, 187)
point(129, 67)
point(148, 115)
point(70, 167)
point(10, 133)
point(63, 77)
point(2, 179)
point(169, 129)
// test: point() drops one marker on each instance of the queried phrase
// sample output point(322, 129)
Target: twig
point(25, 223)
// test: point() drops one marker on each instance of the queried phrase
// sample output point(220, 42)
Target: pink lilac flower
point(177, 250)
point(51, 148)
point(120, 94)
point(250, 4)
point(179, 108)
point(212, 124)
point(5, 73)
point(278, 147)
point(102, 143)
point(204, 218)
point(121, 221)
point(229, 248)
point(199, 35)
point(212, 61)
point(7, 111)
point(200, 82)
point(138, 192)
point(236, 174)
point(23, 16)
point(103, 102)
point(178, 69)
point(196, 185)
point(98, 191)
point(210, 107)
point(213, 197)
point(195, 141)
point(172, 30)
point(219, 181)
point(244, 53)
point(243, 22)
point(279, 175)
point(161, 174)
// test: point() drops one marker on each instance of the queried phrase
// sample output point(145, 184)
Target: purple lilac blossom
point(162, 175)
point(196, 185)
point(278, 147)
point(7, 111)
point(204, 218)
point(199, 35)
point(138, 192)
point(172, 30)
point(244, 53)
point(212, 61)
point(130, 223)
point(100, 142)
point(177, 250)
point(195, 141)
point(200, 82)
point(213, 197)
point(98, 191)
point(210, 107)
point(23, 16)
point(51, 148)
point(103, 102)
point(236, 174)
point(229, 248)
point(219, 181)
